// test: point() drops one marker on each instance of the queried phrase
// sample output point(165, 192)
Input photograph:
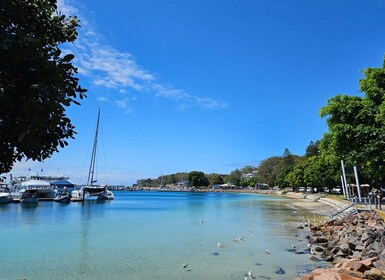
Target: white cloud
point(66, 9)
point(209, 103)
point(103, 99)
point(110, 68)
point(122, 103)
point(172, 93)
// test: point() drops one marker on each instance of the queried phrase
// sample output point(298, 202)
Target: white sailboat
point(91, 191)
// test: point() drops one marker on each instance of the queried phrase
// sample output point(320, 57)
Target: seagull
point(267, 252)
point(200, 221)
point(250, 273)
point(185, 265)
point(219, 244)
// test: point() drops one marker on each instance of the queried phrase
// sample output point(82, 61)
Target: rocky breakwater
point(354, 244)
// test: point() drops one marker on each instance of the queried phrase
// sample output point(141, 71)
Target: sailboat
point(91, 191)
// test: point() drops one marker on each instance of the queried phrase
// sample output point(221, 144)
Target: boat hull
point(29, 196)
point(5, 199)
point(29, 200)
point(62, 199)
point(92, 194)
point(46, 193)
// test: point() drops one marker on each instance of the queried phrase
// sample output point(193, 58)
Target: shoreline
point(310, 203)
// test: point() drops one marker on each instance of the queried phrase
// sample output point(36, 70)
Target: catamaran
point(91, 191)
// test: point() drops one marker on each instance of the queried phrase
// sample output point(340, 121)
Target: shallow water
point(150, 235)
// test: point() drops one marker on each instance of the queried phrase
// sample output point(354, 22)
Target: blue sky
point(208, 85)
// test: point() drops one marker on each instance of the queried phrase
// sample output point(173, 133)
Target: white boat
point(44, 189)
point(62, 198)
point(5, 195)
point(91, 191)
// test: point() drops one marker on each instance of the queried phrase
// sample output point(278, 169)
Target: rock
point(314, 258)
point(280, 271)
point(358, 266)
point(360, 248)
point(345, 249)
point(352, 246)
point(373, 274)
point(321, 239)
point(380, 264)
point(372, 254)
point(333, 274)
point(369, 262)
point(319, 249)
point(355, 244)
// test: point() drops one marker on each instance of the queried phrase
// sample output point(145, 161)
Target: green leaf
point(68, 57)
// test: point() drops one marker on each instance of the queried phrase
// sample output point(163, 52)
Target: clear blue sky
point(209, 85)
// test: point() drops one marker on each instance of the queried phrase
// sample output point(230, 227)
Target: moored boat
point(44, 189)
point(62, 198)
point(5, 195)
point(91, 191)
point(29, 196)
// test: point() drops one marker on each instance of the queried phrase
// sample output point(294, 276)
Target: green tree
point(356, 126)
point(248, 182)
point(313, 149)
point(36, 81)
point(295, 178)
point(288, 161)
point(234, 177)
point(268, 170)
point(197, 179)
point(215, 179)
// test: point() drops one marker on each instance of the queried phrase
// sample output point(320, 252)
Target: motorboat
point(5, 195)
point(29, 196)
point(62, 198)
point(44, 189)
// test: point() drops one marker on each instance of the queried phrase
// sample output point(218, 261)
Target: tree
point(312, 149)
point(234, 177)
point(36, 81)
point(197, 179)
point(356, 126)
point(284, 168)
point(268, 170)
point(215, 179)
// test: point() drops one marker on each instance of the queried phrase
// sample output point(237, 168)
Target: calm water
point(150, 235)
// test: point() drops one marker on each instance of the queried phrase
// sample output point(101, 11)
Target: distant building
point(261, 186)
point(182, 184)
point(249, 175)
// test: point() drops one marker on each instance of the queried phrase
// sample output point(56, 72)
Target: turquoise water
point(150, 235)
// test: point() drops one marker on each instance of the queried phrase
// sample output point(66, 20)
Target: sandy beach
point(321, 206)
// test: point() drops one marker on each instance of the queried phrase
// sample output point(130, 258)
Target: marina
point(151, 235)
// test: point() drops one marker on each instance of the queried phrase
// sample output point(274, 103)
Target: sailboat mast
point(90, 180)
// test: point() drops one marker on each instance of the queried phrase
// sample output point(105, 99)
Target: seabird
point(219, 244)
point(185, 265)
